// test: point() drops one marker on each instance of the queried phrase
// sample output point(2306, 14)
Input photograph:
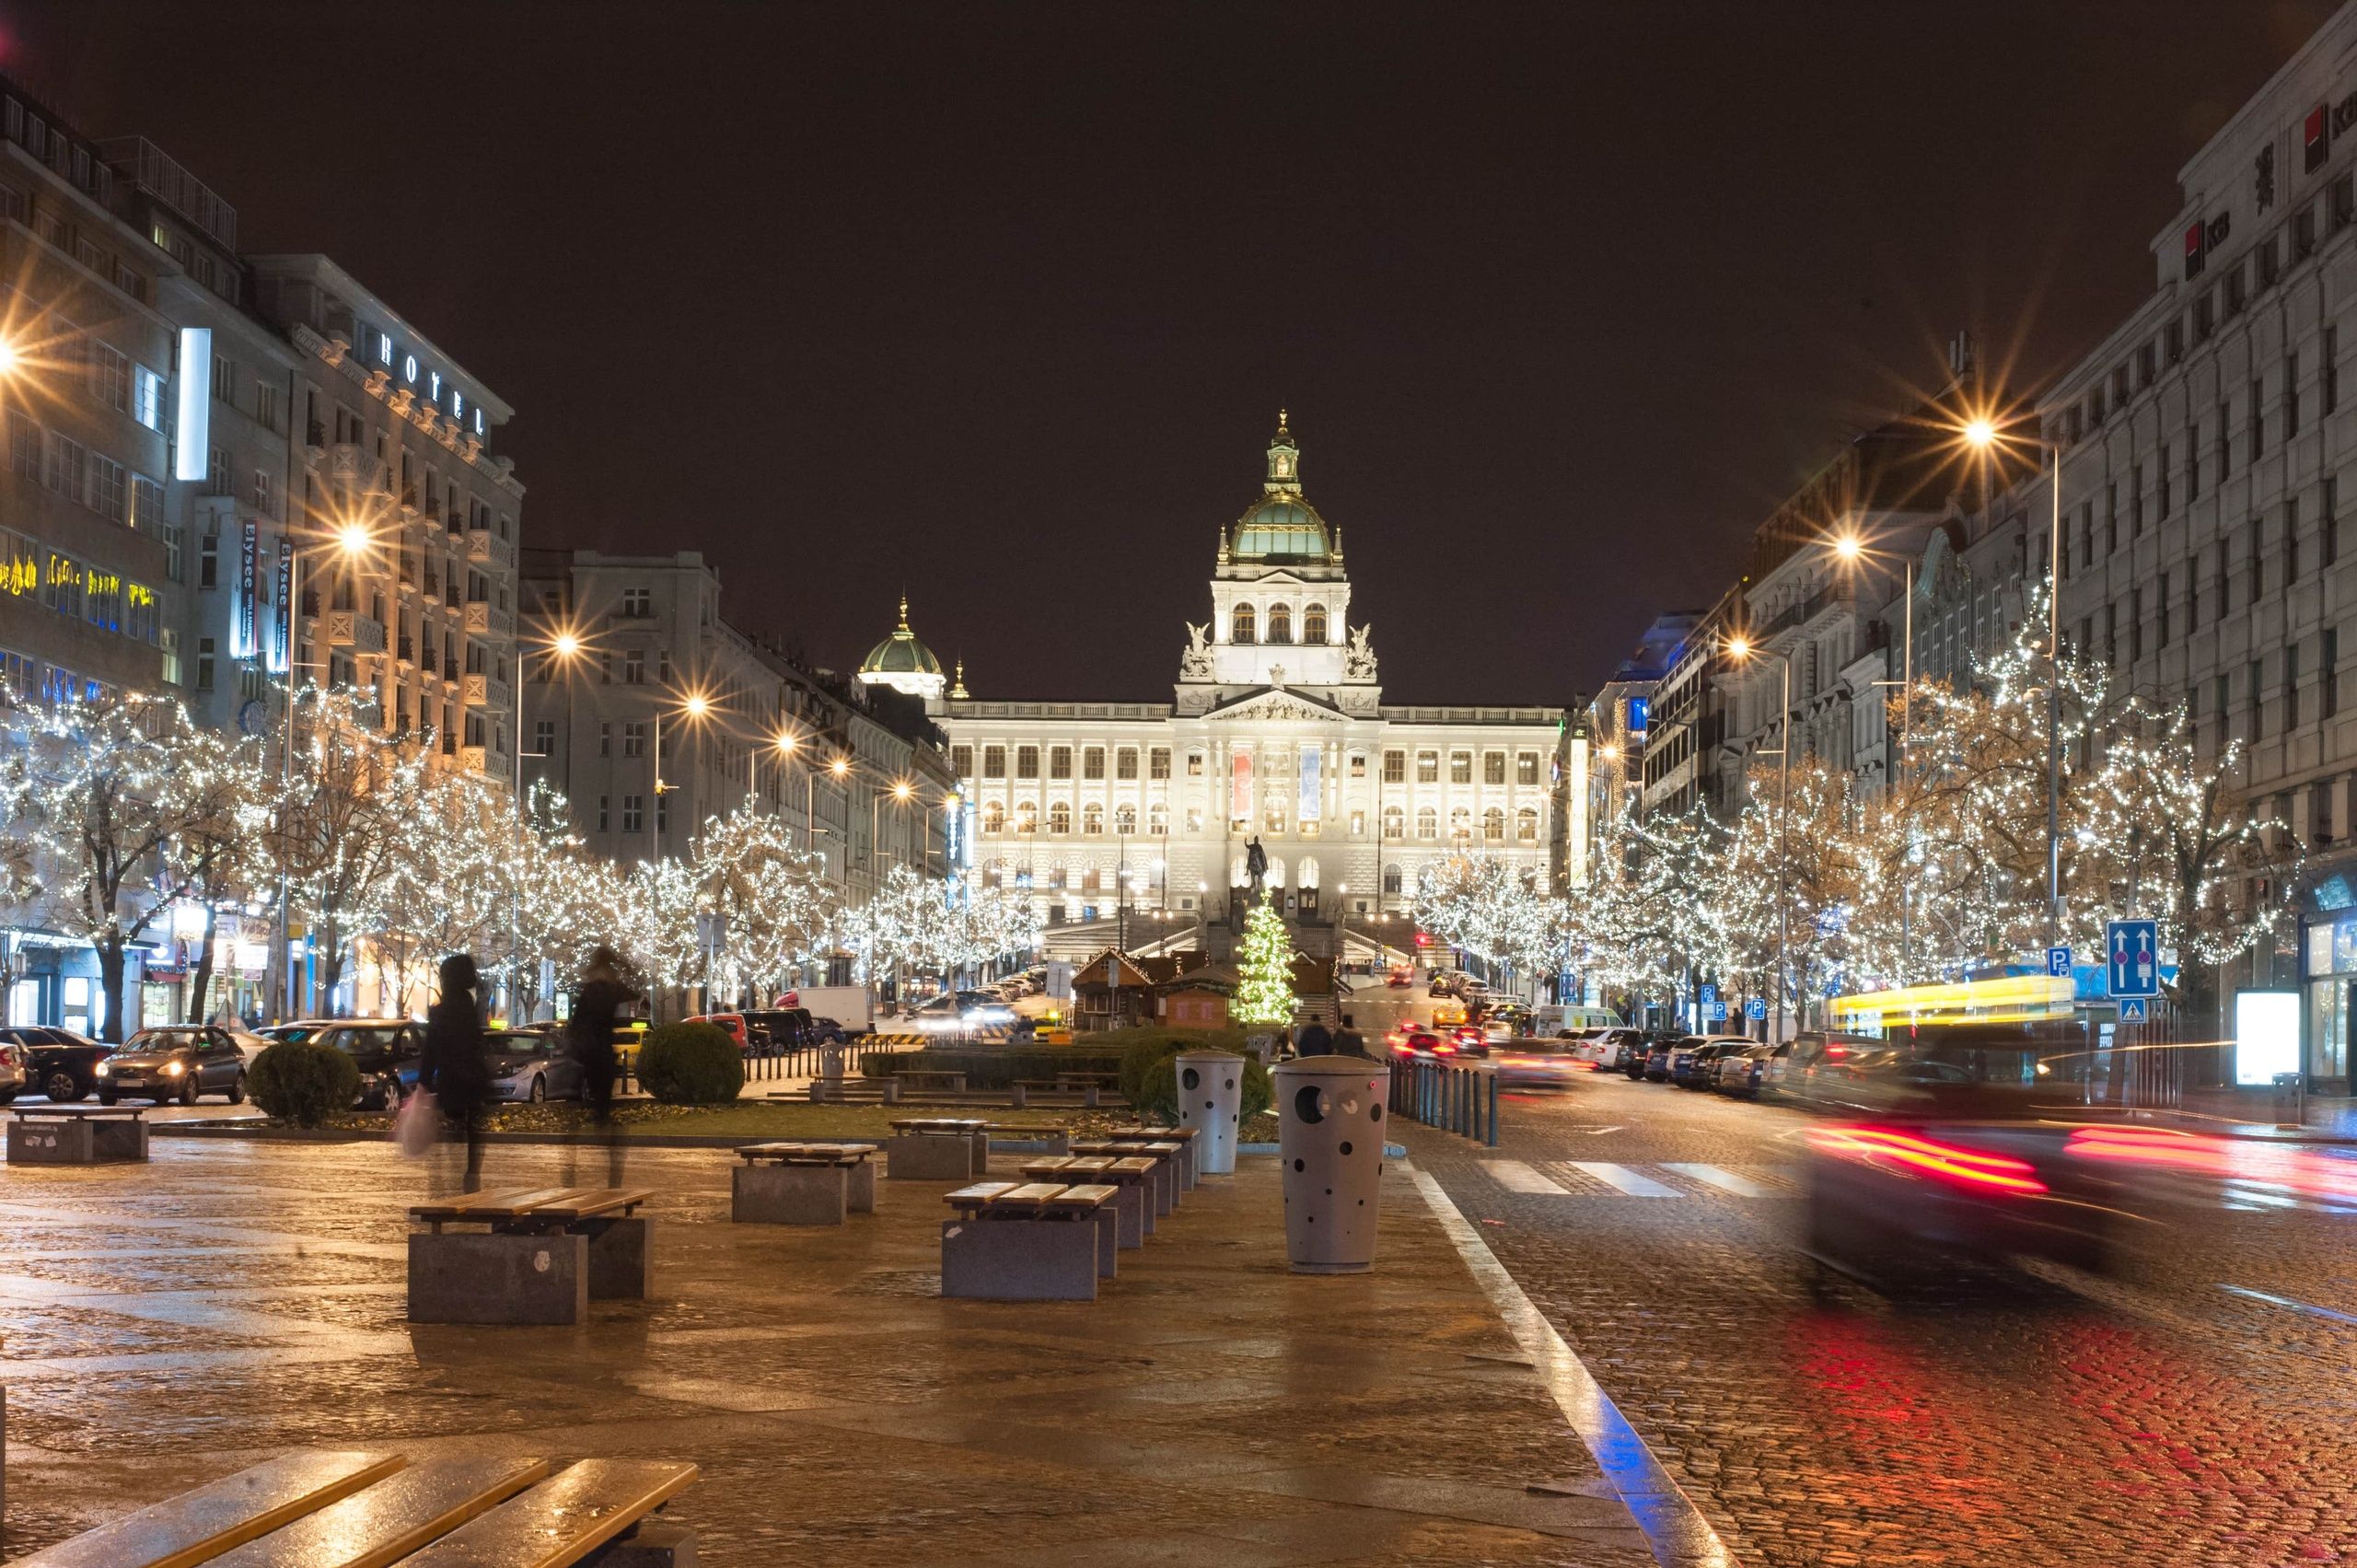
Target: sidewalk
point(171, 1322)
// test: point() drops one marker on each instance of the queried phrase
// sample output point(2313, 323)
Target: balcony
point(484, 692)
point(482, 545)
point(355, 469)
point(350, 629)
point(485, 621)
point(406, 653)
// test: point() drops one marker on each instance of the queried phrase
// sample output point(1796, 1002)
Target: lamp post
point(1744, 651)
point(695, 706)
point(1851, 550)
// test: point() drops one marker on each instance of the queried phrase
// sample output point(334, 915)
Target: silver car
point(15, 1071)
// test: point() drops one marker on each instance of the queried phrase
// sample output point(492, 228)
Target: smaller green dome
point(900, 654)
point(1281, 525)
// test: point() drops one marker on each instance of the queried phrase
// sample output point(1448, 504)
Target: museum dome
point(1281, 524)
point(903, 662)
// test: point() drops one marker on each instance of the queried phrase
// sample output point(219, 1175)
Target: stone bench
point(1165, 1158)
point(78, 1134)
point(1134, 1189)
point(937, 1149)
point(1028, 1242)
point(346, 1507)
point(802, 1183)
point(1182, 1136)
point(1058, 1138)
point(542, 1257)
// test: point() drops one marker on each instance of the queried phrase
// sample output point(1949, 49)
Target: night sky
point(998, 303)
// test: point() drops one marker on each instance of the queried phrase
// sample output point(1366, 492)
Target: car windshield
point(164, 1040)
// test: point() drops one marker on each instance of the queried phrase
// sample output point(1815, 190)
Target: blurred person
point(451, 1062)
point(598, 1004)
point(1348, 1041)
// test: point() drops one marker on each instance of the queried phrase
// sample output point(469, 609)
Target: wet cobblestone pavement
point(1999, 1421)
point(166, 1324)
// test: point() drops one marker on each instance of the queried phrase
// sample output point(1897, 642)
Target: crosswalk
point(1589, 1178)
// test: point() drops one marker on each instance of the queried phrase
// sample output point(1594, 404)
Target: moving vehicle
point(1400, 976)
point(59, 1064)
point(178, 1061)
point(1556, 1018)
point(385, 1049)
point(1819, 1063)
point(1604, 1048)
point(532, 1063)
point(1538, 1064)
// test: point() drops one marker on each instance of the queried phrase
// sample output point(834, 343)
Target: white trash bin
point(1211, 1100)
point(1330, 1121)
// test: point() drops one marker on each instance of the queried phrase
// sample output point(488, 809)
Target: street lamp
point(1743, 650)
point(695, 706)
point(1981, 434)
point(1853, 550)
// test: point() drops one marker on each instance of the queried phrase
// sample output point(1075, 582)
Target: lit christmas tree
point(1264, 996)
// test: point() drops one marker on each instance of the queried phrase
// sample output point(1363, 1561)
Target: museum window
point(1427, 823)
point(1194, 819)
point(1525, 826)
point(993, 761)
point(1125, 820)
point(1395, 767)
point(1358, 764)
point(1239, 624)
point(1358, 824)
point(1525, 767)
point(1391, 879)
point(994, 817)
point(1494, 767)
point(1157, 820)
point(1394, 827)
point(1460, 826)
point(962, 762)
point(1493, 826)
point(1157, 763)
point(1313, 624)
point(1027, 761)
point(1428, 767)
point(1125, 763)
point(1092, 820)
point(1060, 761)
point(1092, 763)
point(1194, 764)
point(1060, 818)
point(1460, 767)
point(1272, 818)
point(1280, 623)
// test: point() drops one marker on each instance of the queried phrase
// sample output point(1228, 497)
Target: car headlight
point(173, 1069)
point(102, 1069)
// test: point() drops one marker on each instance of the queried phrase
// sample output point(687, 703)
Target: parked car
point(782, 1028)
point(14, 1070)
point(532, 1063)
point(731, 1024)
point(58, 1064)
point(1737, 1072)
point(1604, 1049)
point(178, 1061)
point(385, 1049)
point(1656, 1069)
point(1689, 1061)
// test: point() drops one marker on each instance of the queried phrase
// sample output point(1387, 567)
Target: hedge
point(691, 1064)
point(1159, 1090)
point(1144, 1048)
point(993, 1069)
point(303, 1082)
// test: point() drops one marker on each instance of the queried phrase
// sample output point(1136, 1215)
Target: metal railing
point(1463, 1100)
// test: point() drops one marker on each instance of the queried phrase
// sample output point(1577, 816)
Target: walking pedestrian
point(451, 1064)
point(1348, 1041)
point(598, 1004)
point(1314, 1040)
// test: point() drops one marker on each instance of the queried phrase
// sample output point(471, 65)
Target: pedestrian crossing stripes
point(1621, 1181)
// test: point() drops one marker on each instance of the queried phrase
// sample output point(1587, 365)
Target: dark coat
point(1314, 1042)
point(451, 1061)
point(589, 1034)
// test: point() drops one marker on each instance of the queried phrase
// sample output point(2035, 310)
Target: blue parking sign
point(1718, 1012)
point(1755, 1009)
point(1710, 995)
point(2131, 952)
point(2058, 963)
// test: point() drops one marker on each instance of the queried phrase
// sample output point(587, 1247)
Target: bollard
point(1493, 1110)
point(1329, 1111)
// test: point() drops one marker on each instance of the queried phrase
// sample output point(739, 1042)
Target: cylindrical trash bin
point(1329, 1133)
point(1211, 1100)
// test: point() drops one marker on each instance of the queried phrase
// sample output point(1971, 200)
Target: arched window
point(1235, 876)
point(1092, 820)
point(1157, 819)
point(1525, 826)
point(1427, 823)
point(1276, 871)
point(1313, 624)
point(1060, 817)
point(1240, 624)
point(1460, 826)
point(1395, 825)
point(1125, 819)
point(994, 817)
point(1027, 818)
point(1391, 879)
point(1280, 623)
point(1494, 825)
point(1307, 876)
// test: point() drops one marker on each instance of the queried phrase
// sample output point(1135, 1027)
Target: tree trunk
point(111, 983)
point(328, 963)
point(193, 1011)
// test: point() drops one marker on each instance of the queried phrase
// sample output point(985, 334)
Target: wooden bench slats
point(556, 1204)
point(588, 1204)
point(978, 1193)
point(1031, 1194)
point(1085, 1197)
point(563, 1519)
point(1140, 1164)
point(1047, 1162)
point(1087, 1165)
point(480, 1205)
point(380, 1525)
point(199, 1526)
point(937, 1124)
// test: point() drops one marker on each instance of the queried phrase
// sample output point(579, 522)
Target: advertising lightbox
point(2267, 1036)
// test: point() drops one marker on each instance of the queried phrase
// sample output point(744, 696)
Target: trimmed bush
point(303, 1082)
point(1157, 1093)
point(992, 1069)
point(691, 1064)
point(1149, 1046)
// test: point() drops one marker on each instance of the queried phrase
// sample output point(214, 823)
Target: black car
point(385, 1049)
point(1656, 1067)
point(177, 1062)
point(785, 1029)
point(59, 1063)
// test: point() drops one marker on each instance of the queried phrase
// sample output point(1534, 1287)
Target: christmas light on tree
point(1264, 995)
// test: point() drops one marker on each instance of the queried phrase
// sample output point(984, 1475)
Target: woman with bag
point(451, 1067)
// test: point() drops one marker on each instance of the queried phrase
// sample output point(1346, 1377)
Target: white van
point(1550, 1019)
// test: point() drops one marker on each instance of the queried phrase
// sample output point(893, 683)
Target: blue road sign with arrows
point(2132, 950)
point(2058, 963)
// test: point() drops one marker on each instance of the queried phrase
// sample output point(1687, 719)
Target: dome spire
point(904, 610)
point(958, 684)
point(1284, 462)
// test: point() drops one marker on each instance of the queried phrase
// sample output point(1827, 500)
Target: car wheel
point(188, 1091)
point(539, 1092)
point(390, 1091)
point(62, 1087)
point(238, 1089)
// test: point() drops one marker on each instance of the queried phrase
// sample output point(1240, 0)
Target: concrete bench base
point(770, 1193)
point(651, 1545)
point(1133, 1215)
point(76, 1140)
point(1019, 1260)
point(622, 1258)
point(506, 1280)
point(931, 1157)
